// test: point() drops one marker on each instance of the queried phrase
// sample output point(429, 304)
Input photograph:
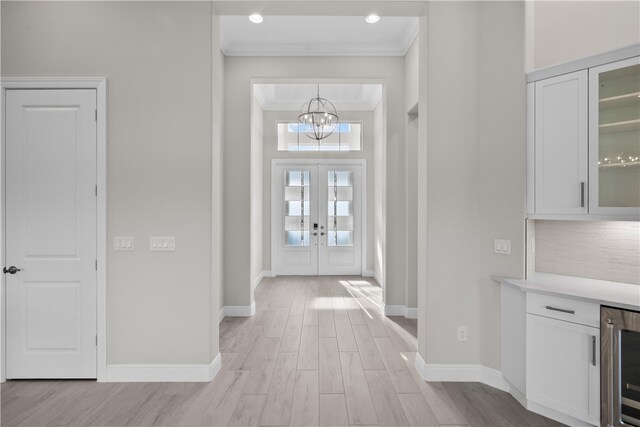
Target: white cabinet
point(583, 154)
point(614, 138)
point(562, 357)
point(561, 149)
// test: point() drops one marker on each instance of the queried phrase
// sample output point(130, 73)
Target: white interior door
point(327, 238)
point(50, 233)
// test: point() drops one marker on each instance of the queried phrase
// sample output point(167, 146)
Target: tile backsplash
point(605, 250)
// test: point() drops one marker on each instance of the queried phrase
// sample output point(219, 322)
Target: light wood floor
point(318, 352)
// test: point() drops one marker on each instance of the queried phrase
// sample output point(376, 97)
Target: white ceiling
point(317, 36)
point(345, 97)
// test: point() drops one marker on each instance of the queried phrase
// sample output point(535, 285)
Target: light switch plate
point(502, 247)
point(162, 243)
point(123, 243)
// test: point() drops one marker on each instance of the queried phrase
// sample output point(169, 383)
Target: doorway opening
point(314, 205)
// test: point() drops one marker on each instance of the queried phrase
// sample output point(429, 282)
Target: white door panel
point(294, 249)
point(340, 213)
point(563, 371)
point(51, 233)
point(327, 239)
point(561, 144)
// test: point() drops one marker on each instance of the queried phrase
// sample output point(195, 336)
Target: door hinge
point(96, 265)
point(96, 116)
point(96, 191)
point(96, 339)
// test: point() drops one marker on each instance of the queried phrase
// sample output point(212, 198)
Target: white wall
point(502, 162)
point(475, 185)
point(411, 78)
point(238, 72)
point(157, 58)
point(379, 195)
point(271, 118)
point(257, 195)
point(217, 229)
point(411, 75)
point(566, 30)
point(411, 211)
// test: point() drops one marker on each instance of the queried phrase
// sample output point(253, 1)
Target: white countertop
point(623, 295)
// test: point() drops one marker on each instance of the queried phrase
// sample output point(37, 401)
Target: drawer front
point(568, 309)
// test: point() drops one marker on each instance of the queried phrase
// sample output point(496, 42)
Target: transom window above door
point(346, 137)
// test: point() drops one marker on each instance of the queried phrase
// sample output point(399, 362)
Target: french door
point(316, 218)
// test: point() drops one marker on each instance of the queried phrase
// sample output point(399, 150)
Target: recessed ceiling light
point(256, 18)
point(372, 19)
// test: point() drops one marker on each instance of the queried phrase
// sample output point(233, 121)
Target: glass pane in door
point(630, 377)
point(297, 208)
point(340, 208)
point(619, 137)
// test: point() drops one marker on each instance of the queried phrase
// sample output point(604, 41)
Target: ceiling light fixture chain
point(318, 117)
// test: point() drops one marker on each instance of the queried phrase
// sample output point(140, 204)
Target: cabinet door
point(561, 145)
point(614, 139)
point(563, 367)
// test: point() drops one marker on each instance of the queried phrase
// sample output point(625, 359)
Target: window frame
point(287, 122)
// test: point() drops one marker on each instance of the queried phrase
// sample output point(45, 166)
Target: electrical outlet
point(123, 243)
point(502, 246)
point(462, 333)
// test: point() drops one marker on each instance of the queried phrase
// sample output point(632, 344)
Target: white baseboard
point(557, 416)
point(237, 311)
point(464, 373)
point(401, 310)
point(393, 310)
point(164, 373)
point(372, 273)
point(259, 277)
point(490, 377)
point(461, 373)
point(221, 314)
point(421, 366)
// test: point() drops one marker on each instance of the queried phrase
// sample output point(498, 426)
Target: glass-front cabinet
point(614, 138)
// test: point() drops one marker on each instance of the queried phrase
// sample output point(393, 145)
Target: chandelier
point(318, 118)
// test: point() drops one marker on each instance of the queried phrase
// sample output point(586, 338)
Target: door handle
point(11, 270)
point(614, 412)
point(593, 350)
point(582, 194)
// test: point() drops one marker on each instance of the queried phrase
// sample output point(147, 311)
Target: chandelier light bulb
point(372, 19)
point(256, 18)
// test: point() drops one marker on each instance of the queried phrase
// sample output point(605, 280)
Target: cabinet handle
point(582, 194)
point(593, 350)
point(562, 310)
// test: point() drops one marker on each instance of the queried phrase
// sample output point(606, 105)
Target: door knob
point(11, 270)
